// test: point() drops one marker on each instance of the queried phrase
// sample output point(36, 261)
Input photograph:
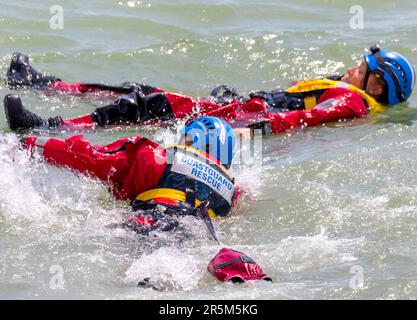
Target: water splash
point(168, 268)
point(19, 201)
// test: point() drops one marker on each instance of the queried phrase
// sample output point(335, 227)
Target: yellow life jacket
point(188, 165)
point(310, 101)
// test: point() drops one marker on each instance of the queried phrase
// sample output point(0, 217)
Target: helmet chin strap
point(365, 80)
point(375, 51)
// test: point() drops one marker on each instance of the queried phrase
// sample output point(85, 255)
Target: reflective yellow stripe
point(310, 102)
point(323, 84)
point(169, 193)
point(311, 85)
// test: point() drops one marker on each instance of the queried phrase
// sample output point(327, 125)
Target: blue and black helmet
point(396, 70)
point(214, 136)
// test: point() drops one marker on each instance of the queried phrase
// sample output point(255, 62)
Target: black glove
point(224, 95)
point(143, 222)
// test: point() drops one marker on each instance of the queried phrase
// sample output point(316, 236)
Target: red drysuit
point(332, 104)
point(134, 166)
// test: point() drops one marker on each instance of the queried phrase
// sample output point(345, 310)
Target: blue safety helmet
point(216, 134)
point(397, 72)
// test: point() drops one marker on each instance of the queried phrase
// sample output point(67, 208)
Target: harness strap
point(171, 197)
point(365, 80)
point(310, 102)
point(189, 191)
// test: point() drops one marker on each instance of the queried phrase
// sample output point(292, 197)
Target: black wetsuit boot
point(22, 75)
point(134, 107)
point(19, 118)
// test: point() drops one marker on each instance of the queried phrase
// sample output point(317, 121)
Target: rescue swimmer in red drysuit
point(383, 78)
point(186, 179)
point(161, 183)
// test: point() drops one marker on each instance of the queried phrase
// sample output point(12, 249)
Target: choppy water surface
point(327, 202)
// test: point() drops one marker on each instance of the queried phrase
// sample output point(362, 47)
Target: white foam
point(167, 268)
point(303, 252)
point(19, 200)
point(38, 197)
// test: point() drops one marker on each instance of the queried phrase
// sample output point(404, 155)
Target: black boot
point(134, 108)
point(21, 74)
point(19, 118)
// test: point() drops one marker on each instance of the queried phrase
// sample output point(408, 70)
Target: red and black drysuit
point(159, 182)
point(281, 109)
point(139, 103)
